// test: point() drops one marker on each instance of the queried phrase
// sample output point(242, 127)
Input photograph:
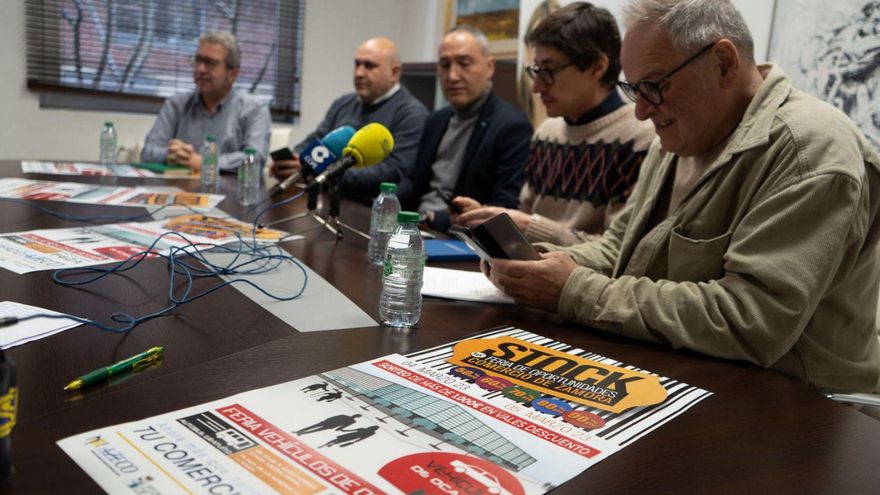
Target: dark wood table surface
point(760, 432)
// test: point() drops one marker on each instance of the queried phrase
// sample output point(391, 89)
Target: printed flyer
point(506, 412)
point(77, 192)
point(72, 168)
point(53, 249)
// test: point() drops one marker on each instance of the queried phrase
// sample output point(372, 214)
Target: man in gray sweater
point(378, 97)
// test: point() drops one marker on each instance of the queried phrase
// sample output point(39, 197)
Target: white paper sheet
point(29, 330)
point(461, 285)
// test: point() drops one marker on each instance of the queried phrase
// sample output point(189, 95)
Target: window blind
point(144, 48)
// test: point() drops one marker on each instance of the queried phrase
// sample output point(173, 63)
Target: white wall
point(757, 13)
point(334, 29)
point(26, 131)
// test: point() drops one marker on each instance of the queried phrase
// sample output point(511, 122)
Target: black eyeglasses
point(545, 74)
point(652, 91)
point(209, 63)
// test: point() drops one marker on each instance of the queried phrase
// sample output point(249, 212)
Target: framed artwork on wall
point(499, 19)
point(832, 50)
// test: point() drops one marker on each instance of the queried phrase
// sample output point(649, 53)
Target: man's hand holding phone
point(284, 163)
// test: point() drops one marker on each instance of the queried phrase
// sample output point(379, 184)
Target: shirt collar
point(389, 94)
point(220, 105)
point(754, 128)
point(611, 103)
point(475, 106)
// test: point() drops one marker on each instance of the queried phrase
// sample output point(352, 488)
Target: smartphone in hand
point(282, 154)
point(497, 237)
point(446, 196)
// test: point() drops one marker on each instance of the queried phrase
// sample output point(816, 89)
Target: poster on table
point(506, 412)
point(53, 249)
point(78, 192)
point(74, 168)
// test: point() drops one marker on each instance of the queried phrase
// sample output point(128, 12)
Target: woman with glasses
point(584, 159)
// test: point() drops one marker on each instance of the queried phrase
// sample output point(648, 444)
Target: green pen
point(139, 361)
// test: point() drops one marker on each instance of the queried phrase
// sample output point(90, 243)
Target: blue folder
point(448, 250)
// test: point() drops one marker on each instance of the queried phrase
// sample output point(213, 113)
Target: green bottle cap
point(211, 139)
point(407, 216)
point(388, 187)
point(250, 150)
point(109, 122)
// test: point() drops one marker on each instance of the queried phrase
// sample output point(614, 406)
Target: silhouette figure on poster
point(352, 436)
point(333, 422)
point(315, 386)
point(331, 396)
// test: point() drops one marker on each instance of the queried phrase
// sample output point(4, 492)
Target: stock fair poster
point(53, 249)
point(77, 192)
point(506, 412)
point(73, 168)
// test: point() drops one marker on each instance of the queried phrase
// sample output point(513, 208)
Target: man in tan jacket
point(752, 233)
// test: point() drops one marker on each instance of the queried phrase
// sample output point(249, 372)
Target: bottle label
point(8, 408)
point(382, 223)
point(406, 273)
point(388, 223)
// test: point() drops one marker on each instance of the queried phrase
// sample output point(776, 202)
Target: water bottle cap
point(109, 122)
point(250, 150)
point(388, 187)
point(407, 216)
point(211, 139)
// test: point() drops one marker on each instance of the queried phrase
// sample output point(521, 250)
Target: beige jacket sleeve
point(790, 249)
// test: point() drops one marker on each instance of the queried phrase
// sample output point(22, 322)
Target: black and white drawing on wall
point(832, 50)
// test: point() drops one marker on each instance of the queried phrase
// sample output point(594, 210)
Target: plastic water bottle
point(383, 220)
point(400, 304)
point(108, 147)
point(210, 168)
point(249, 178)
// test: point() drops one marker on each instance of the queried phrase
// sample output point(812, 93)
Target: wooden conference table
point(760, 432)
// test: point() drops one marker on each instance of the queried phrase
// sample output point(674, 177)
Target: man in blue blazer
point(478, 146)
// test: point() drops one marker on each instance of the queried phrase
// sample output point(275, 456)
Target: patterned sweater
point(579, 177)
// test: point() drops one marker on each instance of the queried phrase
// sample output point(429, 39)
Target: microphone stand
point(311, 206)
point(332, 222)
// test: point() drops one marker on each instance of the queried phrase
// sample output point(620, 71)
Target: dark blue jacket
point(494, 161)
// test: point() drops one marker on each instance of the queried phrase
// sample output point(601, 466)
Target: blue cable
point(262, 258)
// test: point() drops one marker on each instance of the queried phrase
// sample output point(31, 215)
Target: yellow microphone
point(369, 146)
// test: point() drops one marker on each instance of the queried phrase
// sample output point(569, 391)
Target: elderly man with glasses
point(236, 119)
point(752, 233)
point(585, 158)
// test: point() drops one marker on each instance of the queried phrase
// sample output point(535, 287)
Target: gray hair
point(227, 39)
point(693, 24)
point(479, 36)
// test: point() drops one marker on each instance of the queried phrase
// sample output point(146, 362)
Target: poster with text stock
point(505, 412)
